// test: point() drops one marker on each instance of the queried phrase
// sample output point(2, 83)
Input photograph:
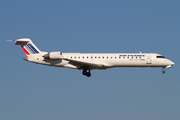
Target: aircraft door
point(148, 60)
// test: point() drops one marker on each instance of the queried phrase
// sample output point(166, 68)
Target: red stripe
point(27, 53)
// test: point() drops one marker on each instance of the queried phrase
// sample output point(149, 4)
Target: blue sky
point(36, 92)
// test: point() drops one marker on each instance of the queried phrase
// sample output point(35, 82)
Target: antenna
point(10, 40)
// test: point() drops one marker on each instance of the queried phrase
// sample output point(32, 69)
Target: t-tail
point(28, 46)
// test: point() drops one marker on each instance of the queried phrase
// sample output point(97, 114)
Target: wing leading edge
point(81, 65)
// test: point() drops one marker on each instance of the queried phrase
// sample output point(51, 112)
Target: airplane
point(91, 61)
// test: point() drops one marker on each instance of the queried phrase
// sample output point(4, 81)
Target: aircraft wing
point(81, 65)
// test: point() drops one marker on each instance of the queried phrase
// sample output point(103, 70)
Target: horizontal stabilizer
point(23, 40)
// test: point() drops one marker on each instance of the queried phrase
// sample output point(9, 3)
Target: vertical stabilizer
point(28, 46)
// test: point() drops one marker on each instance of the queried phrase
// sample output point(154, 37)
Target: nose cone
point(172, 63)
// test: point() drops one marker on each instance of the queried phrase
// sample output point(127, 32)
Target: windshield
point(160, 57)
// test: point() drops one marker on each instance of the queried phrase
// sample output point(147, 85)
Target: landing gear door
point(148, 60)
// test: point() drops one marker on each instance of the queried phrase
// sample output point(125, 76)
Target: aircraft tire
point(88, 74)
point(84, 72)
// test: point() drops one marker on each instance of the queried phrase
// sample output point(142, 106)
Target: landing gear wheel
point(84, 72)
point(88, 74)
point(163, 70)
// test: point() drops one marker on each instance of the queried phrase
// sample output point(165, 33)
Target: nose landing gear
point(86, 72)
point(163, 70)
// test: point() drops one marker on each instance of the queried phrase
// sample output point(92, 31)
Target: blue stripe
point(33, 48)
point(30, 48)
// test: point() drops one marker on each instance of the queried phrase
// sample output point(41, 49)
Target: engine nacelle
point(55, 55)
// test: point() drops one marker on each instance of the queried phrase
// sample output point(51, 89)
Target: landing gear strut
point(163, 71)
point(86, 72)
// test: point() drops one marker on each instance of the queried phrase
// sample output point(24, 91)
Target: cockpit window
point(161, 57)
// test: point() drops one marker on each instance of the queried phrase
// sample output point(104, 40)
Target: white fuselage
point(105, 60)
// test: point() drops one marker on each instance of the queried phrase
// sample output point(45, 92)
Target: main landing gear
point(163, 70)
point(86, 72)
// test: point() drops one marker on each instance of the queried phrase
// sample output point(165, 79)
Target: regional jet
point(91, 61)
